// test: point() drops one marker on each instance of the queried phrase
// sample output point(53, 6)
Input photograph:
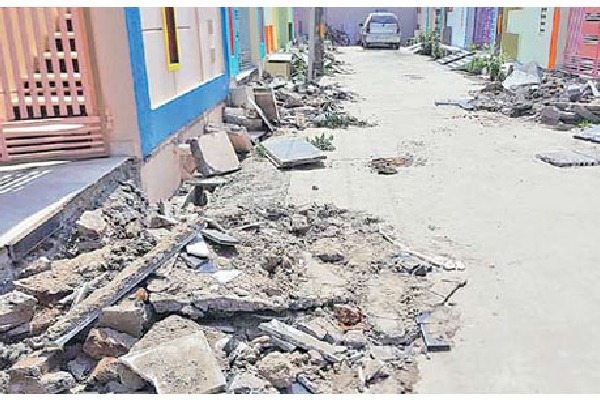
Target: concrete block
point(16, 308)
point(107, 342)
point(214, 154)
point(130, 318)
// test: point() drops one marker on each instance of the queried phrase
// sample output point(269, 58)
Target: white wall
point(457, 20)
point(533, 44)
point(201, 56)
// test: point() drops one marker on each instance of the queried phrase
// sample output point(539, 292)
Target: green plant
point(584, 124)
point(323, 142)
point(260, 151)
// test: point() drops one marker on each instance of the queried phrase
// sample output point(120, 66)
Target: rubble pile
point(246, 295)
point(551, 98)
point(271, 102)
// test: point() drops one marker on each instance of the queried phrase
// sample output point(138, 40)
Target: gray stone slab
point(568, 158)
point(303, 340)
point(591, 134)
point(289, 152)
point(219, 237)
point(29, 189)
point(465, 104)
point(432, 343)
point(176, 358)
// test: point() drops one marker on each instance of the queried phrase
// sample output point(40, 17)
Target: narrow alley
point(525, 229)
point(299, 200)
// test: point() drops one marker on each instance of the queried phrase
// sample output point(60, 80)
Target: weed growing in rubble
point(323, 142)
point(260, 151)
point(584, 124)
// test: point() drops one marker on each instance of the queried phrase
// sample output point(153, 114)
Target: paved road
point(528, 232)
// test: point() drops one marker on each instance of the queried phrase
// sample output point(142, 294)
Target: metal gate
point(47, 107)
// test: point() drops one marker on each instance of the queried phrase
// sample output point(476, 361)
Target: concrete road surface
point(528, 232)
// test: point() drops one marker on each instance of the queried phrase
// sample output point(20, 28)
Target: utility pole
point(315, 42)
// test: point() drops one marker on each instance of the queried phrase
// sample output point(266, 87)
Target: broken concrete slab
point(465, 104)
point(198, 249)
point(16, 308)
point(528, 74)
point(107, 342)
point(265, 99)
point(585, 114)
point(177, 359)
point(92, 224)
point(54, 383)
point(241, 141)
point(277, 369)
point(248, 383)
point(289, 334)
point(389, 329)
point(262, 116)
point(432, 342)
point(550, 115)
point(131, 318)
point(219, 237)
point(567, 158)
point(293, 151)
point(214, 154)
point(355, 338)
point(90, 309)
point(590, 134)
point(81, 367)
point(65, 276)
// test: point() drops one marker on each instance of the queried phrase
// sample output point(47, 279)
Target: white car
point(381, 29)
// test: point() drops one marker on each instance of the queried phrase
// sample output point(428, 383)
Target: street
point(526, 231)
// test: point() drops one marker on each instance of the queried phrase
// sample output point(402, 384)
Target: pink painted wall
point(348, 18)
point(115, 81)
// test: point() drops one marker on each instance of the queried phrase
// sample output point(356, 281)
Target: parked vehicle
point(381, 29)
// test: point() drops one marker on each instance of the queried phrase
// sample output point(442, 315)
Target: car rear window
point(383, 19)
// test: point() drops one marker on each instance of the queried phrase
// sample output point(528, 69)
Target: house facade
point(137, 82)
point(554, 37)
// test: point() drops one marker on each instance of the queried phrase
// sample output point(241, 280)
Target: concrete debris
point(298, 338)
point(355, 339)
point(528, 74)
point(198, 249)
point(277, 369)
point(388, 166)
point(214, 154)
point(590, 134)
point(292, 152)
point(81, 367)
point(434, 341)
point(90, 308)
point(131, 318)
point(249, 383)
point(219, 237)
point(92, 226)
point(16, 309)
point(374, 369)
point(107, 342)
point(568, 158)
point(552, 98)
point(176, 361)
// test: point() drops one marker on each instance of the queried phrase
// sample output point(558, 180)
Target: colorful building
point(582, 50)
point(534, 34)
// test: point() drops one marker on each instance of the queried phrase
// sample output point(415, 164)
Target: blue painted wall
point(156, 125)
point(231, 29)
